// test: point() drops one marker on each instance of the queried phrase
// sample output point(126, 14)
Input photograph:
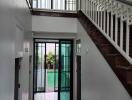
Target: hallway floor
point(46, 96)
point(51, 96)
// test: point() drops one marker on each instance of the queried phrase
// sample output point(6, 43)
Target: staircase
point(121, 67)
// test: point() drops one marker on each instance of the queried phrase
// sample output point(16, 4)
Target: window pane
point(55, 4)
point(34, 3)
point(59, 4)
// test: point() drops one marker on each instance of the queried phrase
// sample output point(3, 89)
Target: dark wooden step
point(125, 76)
point(130, 46)
point(108, 49)
point(94, 32)
point(127, 68)
point(117, 59)
point(130, 41)
point(99, 39)
point(121, 67)
point(125, 72)
point(129, 87)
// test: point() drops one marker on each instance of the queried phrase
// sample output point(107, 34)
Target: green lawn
point(51, 75)
point(51, 80)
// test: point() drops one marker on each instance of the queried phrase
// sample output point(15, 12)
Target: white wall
point(54, 24)
point(98, 81)
point(54, 27)
point(13, 14)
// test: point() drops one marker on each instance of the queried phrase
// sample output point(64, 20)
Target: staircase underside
point(54, 13)
point(121, 67)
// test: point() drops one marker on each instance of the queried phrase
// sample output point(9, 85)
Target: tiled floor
point(46, 96)
point(51, 96)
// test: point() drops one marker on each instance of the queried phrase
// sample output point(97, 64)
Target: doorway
point(17, 80)
point(53, 64)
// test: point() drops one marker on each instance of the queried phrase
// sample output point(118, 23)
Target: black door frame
point(71, 70)
point(78, 61)
point(16, 81)
point(35, 66)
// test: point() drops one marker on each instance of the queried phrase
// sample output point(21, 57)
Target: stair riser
point(108, 49)
point(126, 74)
point(115, 60)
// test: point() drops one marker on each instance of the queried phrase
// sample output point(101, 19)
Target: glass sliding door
point(39, 68)
point(52, 71)
point(46, 58)
point(65, 70)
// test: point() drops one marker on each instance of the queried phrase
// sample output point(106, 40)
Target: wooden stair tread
point(124, 67)
point(129, 83)
point(118, 54)
point(104, 44)
point(112, 54)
